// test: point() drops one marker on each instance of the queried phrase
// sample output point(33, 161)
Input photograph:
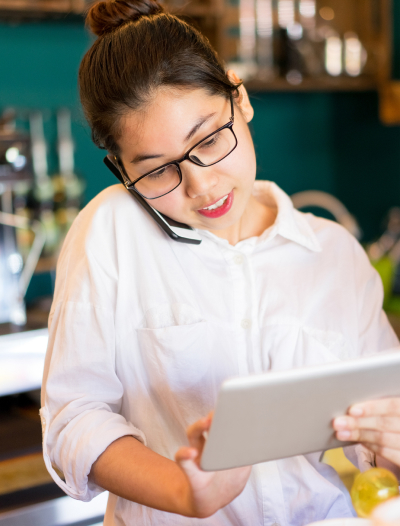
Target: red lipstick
point(221, 210)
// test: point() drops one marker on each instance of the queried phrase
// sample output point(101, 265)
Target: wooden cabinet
point(33, 8)
point(303, 45)
point(281, 45)
point(308, 44)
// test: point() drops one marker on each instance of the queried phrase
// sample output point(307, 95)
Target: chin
point(220, 225)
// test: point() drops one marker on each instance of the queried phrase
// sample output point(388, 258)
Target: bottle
point(372, 488)
point(43, 190)
point(68, 188)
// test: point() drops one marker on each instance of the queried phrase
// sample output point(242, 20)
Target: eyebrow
point(199, 124)
point(144, 157)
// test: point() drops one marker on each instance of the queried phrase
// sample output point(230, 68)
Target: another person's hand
point(208, 491)
point(376, 424)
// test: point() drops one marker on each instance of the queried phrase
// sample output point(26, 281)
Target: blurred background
point(322, 77)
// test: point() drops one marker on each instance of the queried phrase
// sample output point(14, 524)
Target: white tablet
point(285, 413)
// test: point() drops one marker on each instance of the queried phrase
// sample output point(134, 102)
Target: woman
point(143, 329)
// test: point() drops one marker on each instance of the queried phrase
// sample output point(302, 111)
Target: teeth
point(217, 204)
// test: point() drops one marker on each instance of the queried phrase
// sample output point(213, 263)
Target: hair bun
point(104, 17)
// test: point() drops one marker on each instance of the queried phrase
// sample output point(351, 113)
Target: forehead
point(166, 120)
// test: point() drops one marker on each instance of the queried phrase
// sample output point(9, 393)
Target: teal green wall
point(327, 141)
point(332, 142)
point(39, 66)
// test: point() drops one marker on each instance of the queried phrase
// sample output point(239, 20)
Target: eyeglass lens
point(159, 182)
point(210, 151)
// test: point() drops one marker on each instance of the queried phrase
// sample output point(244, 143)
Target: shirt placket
point(242, 308)
point(249, 361)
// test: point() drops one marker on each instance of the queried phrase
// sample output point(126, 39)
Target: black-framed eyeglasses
point(207, 152)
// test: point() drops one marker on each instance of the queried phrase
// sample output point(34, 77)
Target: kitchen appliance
point(15, 179)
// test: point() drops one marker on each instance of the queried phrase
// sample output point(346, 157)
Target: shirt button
point(246, 324)
point(238, 259)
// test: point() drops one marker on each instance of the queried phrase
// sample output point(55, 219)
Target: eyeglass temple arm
point(114, 169)
point(232, 119)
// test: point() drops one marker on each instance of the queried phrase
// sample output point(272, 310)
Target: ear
point(243, 100)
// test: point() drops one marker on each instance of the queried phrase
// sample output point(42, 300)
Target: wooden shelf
point(51, 8)
point(318, 84)
point(24, 10)
point(43, 6)
point(390, 103)
point(219, 21)
point(197, 10)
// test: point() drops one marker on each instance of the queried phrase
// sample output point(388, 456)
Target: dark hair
point(140, 49)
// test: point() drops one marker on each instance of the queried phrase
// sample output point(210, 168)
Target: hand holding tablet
point(286, 413)
point(207, 492)
point(376, 424)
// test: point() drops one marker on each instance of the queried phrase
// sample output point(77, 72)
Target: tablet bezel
point(279, 414)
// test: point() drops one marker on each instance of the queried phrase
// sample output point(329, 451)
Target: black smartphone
point(177, 231)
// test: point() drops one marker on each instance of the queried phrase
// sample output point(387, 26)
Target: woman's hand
point(208, 491)
point(376, 424)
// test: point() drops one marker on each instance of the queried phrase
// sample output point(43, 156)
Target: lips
point(218, 211)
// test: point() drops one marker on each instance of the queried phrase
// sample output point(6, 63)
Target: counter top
point(59, 512)
point(36, 319)
point(21, 361)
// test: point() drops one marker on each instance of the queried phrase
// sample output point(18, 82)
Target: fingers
point(350, 428)
point(376, 425)
point(195, 432)
point(384, 406)
point(186, 453)
point(368, 437)
point(377, 415)
point(380, 423)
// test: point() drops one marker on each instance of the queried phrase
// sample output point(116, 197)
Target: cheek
point(242, 162)
point(172, 205)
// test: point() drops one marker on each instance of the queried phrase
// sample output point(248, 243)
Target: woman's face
point(159, 134)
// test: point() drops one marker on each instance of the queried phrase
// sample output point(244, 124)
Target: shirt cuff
point(81, 447)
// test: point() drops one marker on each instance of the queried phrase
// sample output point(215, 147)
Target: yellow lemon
point(372, 488)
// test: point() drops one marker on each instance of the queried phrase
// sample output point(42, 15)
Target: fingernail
point(356, 410)
point(341, 422)
point(343, 435)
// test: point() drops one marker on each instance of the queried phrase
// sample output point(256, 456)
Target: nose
point(197, 180)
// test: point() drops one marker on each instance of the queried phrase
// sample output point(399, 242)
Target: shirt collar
point(290, 223)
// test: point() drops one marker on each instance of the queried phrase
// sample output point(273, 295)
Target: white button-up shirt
point(143, 330)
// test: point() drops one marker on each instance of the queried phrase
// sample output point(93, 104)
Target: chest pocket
point(289, 344)
point(177, 355)
point(175, 350)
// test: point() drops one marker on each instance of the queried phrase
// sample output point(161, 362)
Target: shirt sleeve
point(81, 396)
point(375, 334)
point(81, 391)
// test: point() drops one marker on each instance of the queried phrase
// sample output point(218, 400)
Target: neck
point(256, 218)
